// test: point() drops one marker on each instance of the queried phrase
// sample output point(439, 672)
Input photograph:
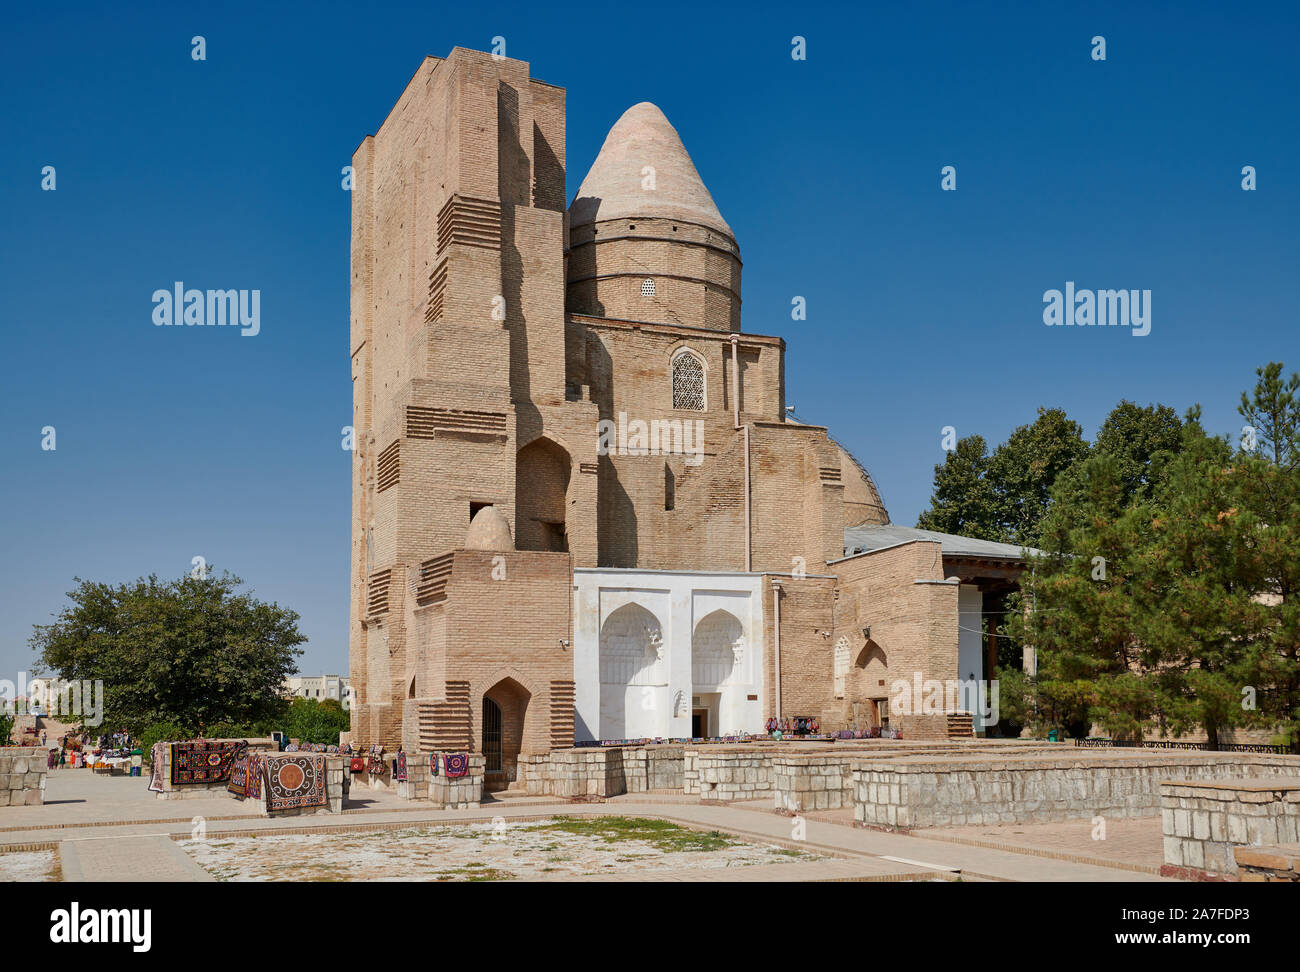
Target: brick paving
point(113, 829)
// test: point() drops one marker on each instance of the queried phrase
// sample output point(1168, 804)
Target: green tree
point(1081, 622)
point(1004, 496)
point(192, 651)
point(1268, 480)
point(963, 500)
point(1023, 470)
point(1273, 412)
point(1196, 615)
point(315, 721)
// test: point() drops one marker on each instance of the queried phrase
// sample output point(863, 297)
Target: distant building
point(320, 687)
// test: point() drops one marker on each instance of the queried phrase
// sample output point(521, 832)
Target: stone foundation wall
point(918, 791)
point(601, 772)
point(1204, 821)
point(416, 785)
point(23, 770)
point(802, 783)
point(733, 775)
point(462, 792)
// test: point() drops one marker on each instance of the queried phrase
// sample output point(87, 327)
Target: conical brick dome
point(646, 241)
point(617, 186)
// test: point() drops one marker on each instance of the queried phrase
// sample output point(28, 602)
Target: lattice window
point(688, 382)
point(647, 287)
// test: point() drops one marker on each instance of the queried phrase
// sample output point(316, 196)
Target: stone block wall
point(22, 775)
point(416, 785)
point(462, 792)
point(1274, 865)
point(1204, 821)
point(733, 775)
point(822, 782)
point(922, 792)
point(601, 772)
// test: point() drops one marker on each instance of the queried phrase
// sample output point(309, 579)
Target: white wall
point(678, 601)
point(970, 643)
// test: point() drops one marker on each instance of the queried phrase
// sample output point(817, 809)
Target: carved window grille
point(647, 288)
point(688, 382)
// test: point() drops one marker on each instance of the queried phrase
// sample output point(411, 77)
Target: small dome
point(614, 189)
point(489, 531)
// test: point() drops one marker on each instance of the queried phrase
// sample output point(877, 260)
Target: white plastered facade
point(653, 647)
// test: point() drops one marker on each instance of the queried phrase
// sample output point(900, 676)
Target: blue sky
point(924, 306)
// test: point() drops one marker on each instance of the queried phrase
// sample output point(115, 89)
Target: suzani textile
point(456, 764)
point(239, 774)
point(294, 781)
point(204, 762)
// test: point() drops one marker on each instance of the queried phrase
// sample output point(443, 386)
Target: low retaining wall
point(416, 784)
point(1205, 821)
point(600, 772)
point(460, 792)
point(801, 783)
point(23, 770)
point(733, 775)
point(919, 791)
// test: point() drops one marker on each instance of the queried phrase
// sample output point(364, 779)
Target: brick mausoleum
point(522, 576)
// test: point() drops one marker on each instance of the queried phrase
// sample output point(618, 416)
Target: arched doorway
point(633, 675)
point(505, 706)
point(541, 482)
point(716, 647)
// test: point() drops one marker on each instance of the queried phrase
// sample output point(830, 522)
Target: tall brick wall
point(458, 350)
point(900, 593)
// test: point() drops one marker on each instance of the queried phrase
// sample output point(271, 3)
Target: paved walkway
point(1135, 844)
point(128, 859)
point(114, 829)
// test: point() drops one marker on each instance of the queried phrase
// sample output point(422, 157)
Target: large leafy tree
point(963, 500)
point(193, 651)
point(1004, 496)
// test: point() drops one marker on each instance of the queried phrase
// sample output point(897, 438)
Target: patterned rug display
point(204, 761)
point(294, 781)
point(239, 774)
point(456, 764)
point(156, 766)
point(399, 767)
point(254, 776)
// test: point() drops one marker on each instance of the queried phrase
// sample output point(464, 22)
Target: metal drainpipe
point(735, 406)
point(776, 641)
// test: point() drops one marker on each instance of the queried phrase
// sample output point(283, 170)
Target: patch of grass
point(661, 834)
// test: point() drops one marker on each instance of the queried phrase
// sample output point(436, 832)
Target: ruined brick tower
point(458, 351)
point(517, 581)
